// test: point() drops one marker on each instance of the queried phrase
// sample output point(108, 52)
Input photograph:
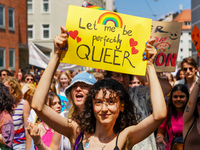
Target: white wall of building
point(185, 45)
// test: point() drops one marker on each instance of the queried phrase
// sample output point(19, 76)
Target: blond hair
point(15, 87)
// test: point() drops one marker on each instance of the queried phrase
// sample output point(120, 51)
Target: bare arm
point(34, 132)
point(26, 111)
point(45, 113)
point(188, 117)
point(55, 142)
point(160, 136)
point(151, 123)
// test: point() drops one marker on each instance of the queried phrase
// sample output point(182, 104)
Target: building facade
point(185, 45)
point(45, 18)
point(13, 34)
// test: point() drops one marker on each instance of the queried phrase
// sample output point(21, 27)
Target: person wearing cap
point(76, 93)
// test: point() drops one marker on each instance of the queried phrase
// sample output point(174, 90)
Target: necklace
point(87, 145)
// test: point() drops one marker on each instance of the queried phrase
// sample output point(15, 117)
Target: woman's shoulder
point(5, 116)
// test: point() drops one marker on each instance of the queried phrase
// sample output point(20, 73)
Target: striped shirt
point(18, 122)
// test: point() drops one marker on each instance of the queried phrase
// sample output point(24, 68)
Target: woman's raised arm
point(188, 117)
point(45, 113)
point(151, 123)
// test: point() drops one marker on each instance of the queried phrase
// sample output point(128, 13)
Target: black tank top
point(80, 145)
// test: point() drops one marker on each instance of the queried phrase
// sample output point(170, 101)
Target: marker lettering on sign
point(89, 25)
point(83, 52)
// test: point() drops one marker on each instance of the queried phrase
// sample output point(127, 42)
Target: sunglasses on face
point(3, 74)
point(180, 96)
point(190, 68)
point(28, 79)
point(19, 75)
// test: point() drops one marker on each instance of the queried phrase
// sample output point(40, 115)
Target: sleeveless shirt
point(193, 139)
point(18, 122)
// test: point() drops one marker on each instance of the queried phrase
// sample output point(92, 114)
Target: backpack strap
point(188, 133)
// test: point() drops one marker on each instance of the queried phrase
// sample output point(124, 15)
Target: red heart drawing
point(134, 51)
point(78, 39)
point(132, 42)
point(73, 34)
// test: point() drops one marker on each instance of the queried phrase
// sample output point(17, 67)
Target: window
point(45, 5)
point(30, 31)
point(11, 18)
point(181, 57)
point(181, 41)
point(190, 49)
point(189, 33)
point(30, 6)
point(181, 49)
point(187, 23)
point(2, 57)
point(45, 31)
point(2, 16)
point(11, 58)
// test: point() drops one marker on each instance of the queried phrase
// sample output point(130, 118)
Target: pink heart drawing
point(73, 34)
point(78, 39)
point(134, 51)
point(132, 42)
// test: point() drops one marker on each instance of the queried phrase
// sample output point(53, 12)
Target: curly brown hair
point(87, 120)
point(6, 100)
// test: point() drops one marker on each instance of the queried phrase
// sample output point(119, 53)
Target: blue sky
point(153, 9)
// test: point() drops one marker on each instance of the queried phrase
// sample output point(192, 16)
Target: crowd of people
point(63, 110)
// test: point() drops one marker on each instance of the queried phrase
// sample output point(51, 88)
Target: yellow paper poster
point(106, 40)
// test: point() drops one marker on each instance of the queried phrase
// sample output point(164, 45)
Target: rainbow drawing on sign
point(95, 7)
point(110, 16)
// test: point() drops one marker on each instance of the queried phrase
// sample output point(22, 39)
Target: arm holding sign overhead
point(62, 125)
point(165, 85)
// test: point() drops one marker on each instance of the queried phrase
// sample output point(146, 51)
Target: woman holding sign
point(107, 105)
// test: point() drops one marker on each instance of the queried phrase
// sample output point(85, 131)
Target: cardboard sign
point(167, 36)
point(195, 35)
point(106, 40)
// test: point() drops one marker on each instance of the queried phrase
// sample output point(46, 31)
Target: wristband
point(41, 143)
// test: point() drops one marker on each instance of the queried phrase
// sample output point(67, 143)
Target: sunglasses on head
point(180, 96)
point(29, 79)
point(190, 68)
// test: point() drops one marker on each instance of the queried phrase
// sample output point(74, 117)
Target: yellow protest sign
point(106, 40)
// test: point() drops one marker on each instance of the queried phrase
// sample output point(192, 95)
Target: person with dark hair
point(108, 108)
point(6, 123)
point(173, 124)
point(180, 75)
point(140, 96)
point(22, 109)
point(20, 78)
point(191, 120)
point(189, 66)
point(136, 81)
point(5, 73)
point(29, 78)
point(46, 132)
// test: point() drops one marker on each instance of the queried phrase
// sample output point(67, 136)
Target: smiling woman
point(173, 124)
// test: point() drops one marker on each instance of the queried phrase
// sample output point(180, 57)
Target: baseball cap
point(81, 77)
